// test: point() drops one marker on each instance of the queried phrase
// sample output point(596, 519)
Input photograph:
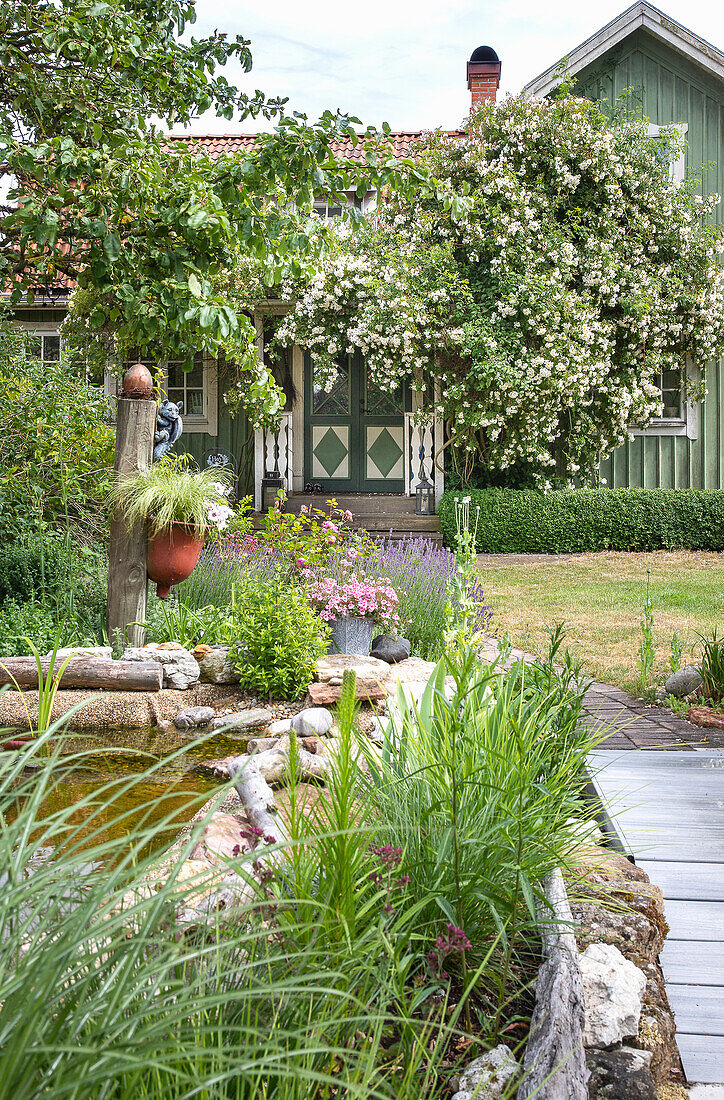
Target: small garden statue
point(169, 426)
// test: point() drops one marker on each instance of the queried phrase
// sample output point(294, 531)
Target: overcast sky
point(403, 61)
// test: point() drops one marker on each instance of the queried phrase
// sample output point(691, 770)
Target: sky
point(403, 61)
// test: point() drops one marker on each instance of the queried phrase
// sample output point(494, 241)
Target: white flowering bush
point(547, 298)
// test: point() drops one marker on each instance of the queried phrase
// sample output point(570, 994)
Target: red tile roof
point(216, 145)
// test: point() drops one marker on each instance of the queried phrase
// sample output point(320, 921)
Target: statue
point(169, 426)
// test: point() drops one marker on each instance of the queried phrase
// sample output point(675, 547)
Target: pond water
point(132, 776)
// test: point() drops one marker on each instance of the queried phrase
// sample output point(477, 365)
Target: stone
point(684, 681)
point(324, 695)
point(621, 1074)
point(224, 836)
point(193, 717)
point(389, 648)
point(180, 668)
point(488, 1077)
point(632, 933)
point(282, 725)
point(242, 720)
point(414, 668)
point(215, 664)
point(312, 722)
point(365, 668)
point(613, 989)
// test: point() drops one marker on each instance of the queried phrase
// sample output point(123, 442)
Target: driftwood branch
point(85, 672)
point(555, 1061)
point(271, 764)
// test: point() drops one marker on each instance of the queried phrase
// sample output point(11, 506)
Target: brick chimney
point(483, 76)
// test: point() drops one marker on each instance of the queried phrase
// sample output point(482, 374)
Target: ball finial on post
point(137, 382)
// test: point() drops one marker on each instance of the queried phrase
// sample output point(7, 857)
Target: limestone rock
point(192, 717)
point(636, 937)
point(488, 1077)
point(282, 725)
point(312, 722)
point(414, 668)
point(389, 648)
point(242, 720)
point(612, 991)
point(180, 668)
point(215, 665)
point(324, 695)
point(224, 837)
point(684, 681)
point(621, 1074)
point(366, 668)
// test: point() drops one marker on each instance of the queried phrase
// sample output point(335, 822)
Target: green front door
point(354, 432)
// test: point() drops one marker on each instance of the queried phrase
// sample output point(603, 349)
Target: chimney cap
point(483, 55)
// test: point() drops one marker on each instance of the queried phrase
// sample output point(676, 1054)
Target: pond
point(149, 775)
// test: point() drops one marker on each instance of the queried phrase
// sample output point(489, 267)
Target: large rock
point(621, 1074)
point(636, 937)
point(224, 837)
point(312, 722)
point(413, 669)
point(180, 668)
point(389, 648)
point(488, 1077)
point(192, 717)
point(103, 651)
point(612, 992)
point(243, 720)
point(331, 669)
point(684, 681)
point(215, 664)
point(325, 695)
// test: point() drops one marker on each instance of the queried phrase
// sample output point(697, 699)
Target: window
point(329, 209)
point(196, 388)
point(677, 168)
point(679, 416)
point(45, 345)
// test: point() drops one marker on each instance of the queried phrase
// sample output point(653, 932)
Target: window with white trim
point(196, 386)
point(331, 209)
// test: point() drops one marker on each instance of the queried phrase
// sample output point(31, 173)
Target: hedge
point(571, 521)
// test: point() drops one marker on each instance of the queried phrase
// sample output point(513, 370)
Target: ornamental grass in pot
point(180, 505)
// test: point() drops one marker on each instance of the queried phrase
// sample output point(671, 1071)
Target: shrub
point(277, 638)
point(572, 521)
point(42, 625)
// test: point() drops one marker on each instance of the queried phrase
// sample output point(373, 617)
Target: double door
point(354, 431)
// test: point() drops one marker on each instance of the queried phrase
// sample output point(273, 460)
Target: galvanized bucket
point(351, 634)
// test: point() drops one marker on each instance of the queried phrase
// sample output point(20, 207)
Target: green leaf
point(112, 246)
point(194, 285)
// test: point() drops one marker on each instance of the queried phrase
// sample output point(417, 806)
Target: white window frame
point(686, 425)
point(208, 422)
point(677, 168)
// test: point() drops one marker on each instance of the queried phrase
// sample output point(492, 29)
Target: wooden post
point(127, 580)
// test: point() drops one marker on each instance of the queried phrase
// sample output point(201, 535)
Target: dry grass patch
point(600, 599)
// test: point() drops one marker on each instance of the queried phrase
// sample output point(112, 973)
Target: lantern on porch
point(270, 486)
point(424, 497)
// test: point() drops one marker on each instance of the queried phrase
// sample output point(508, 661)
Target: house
point(358, 441)
point(680, 79)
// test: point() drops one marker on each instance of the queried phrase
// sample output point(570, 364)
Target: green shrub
point(572, 521)
point(277, 639)
point(41, 624)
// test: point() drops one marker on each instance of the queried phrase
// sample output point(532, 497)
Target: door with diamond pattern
point(354, 432)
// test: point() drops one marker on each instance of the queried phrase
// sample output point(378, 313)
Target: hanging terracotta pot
point(172, 556)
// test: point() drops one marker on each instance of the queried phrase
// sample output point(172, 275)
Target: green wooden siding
point(234, 435)
point(671, 89)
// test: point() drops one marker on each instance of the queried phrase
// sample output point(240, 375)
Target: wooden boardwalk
point(667, 808)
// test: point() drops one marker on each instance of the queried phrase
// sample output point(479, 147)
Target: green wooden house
point(360, 443)
point(679, 79)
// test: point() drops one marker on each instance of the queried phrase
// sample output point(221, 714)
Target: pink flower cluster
point(370, 599)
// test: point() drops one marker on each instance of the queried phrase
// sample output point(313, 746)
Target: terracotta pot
point(172, 556)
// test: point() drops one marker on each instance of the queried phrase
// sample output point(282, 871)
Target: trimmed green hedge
point(571, 521)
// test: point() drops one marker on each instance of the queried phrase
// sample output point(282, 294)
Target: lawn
point(600, 598)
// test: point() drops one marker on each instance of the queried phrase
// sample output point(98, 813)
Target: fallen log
point(272, 764)
point(84, 672)
point(261, 744)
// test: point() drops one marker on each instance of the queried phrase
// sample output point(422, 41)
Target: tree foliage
point(143, 226)
point(547, 313)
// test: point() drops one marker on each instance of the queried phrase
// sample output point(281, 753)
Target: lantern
point(270, 486)
point(424, 498)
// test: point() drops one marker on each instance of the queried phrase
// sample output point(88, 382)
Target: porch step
point(383, 515)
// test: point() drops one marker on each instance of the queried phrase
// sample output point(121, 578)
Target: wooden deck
point(667, 808)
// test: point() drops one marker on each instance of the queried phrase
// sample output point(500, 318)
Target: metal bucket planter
point(351, 634)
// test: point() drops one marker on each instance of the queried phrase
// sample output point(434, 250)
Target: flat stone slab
point(331, 669)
